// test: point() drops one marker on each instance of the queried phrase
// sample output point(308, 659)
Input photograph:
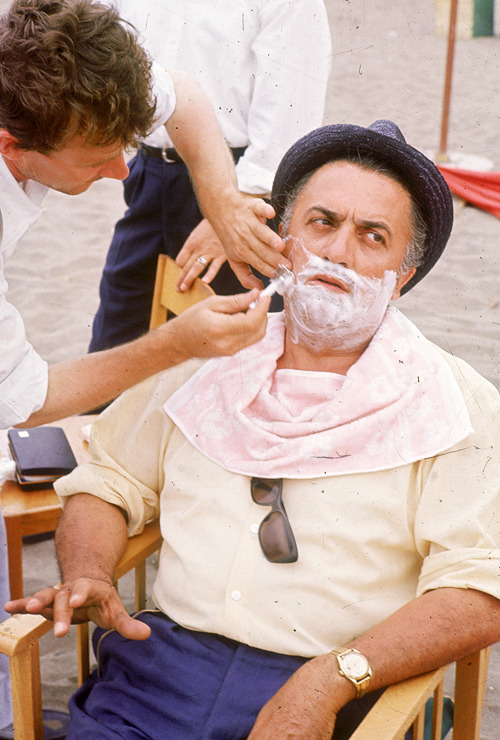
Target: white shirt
point(264, 64)
point(23, 373)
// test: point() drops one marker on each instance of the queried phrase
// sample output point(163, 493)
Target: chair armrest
point(19, 636)
point(398, 707)
point(20, 630)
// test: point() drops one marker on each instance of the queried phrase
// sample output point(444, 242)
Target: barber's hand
point(306, 706)
point(219, 325)
point(202, 243)
point(79, 601)
point(247, 240)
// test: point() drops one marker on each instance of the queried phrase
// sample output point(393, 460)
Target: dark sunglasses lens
point(277, 539)
point(265, 491)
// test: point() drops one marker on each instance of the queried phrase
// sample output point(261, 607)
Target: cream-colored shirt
point(367, 543)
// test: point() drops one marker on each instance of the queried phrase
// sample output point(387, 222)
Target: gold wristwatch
point(355, 667)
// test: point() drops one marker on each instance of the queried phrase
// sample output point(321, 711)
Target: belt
point(171, 155)
point(168, 155)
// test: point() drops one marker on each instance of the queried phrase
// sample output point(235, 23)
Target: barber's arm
point(220, 325)
point(238, 220)
point(431, 631)
point(275, 120)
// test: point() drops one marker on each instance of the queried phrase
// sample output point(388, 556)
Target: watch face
point(355, 665)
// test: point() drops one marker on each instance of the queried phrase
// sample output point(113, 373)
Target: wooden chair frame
point(166, 300)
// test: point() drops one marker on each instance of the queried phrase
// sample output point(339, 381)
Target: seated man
point(328, 497)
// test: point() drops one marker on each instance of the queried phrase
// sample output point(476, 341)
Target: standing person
point(264, 65)
point(76, 88)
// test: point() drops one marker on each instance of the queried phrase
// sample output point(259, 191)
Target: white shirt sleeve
point(23, 373)
point(164, 92)
point(293, 60)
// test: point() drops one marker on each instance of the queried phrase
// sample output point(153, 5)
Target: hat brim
point(416, 171)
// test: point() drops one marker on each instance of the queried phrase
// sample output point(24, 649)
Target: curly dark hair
point(72, 67)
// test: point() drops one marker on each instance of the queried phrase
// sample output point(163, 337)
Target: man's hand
point(82, 600)
point(247, 240)
point(306, 706)
point(202, 242)
point(219, 325)
point(239, 219)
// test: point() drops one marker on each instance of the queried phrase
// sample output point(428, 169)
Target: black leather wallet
point(41, 454)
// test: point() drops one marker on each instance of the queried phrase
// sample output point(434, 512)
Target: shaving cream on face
point(324, 320)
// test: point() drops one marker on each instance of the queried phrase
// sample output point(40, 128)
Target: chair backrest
point(167, 301)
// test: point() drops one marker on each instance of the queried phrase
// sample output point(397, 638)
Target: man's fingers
point(231, 304)
point(213, 269)
point(245, 275)
point(264, 259)
point(35, 604)
point(188, 274)
point(263, 210)
point(79, 601)
point(131, 629)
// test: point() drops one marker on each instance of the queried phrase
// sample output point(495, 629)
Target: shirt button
point(236, 595)
point(254, 528)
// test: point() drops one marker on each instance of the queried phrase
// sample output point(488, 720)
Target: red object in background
point(482, 189)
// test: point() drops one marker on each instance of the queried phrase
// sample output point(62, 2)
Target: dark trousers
point(183, 685)
point(161, 213)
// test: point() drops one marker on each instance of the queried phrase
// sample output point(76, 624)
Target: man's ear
point(401, 282)
point(9, 145)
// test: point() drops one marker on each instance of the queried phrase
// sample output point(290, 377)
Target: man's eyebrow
point(377, 225)
point(100, 162)
point(325, 211)
point(367, 223)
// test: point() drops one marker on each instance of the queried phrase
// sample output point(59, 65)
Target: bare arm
point(432, 630)
point(238, 220)
point(216, 326)
point(90, 539)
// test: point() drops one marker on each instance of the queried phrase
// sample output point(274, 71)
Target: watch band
point(361, 680)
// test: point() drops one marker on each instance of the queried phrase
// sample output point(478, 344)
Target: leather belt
point(168, 155)
point(171, 156)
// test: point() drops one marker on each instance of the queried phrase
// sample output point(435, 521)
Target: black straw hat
point(384, 140)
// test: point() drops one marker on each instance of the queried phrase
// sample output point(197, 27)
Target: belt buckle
point(166, 159)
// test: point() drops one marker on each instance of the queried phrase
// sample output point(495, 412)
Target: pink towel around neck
point(398, 403)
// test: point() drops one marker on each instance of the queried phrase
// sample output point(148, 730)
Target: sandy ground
point(387, 63)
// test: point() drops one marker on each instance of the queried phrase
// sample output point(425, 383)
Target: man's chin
point(74, 189)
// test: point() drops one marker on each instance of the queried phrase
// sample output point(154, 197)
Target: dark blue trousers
point(183, 685)
point(161, 213)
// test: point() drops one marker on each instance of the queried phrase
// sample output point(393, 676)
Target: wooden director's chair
point(400, 707)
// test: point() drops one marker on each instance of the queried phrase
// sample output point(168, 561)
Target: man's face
point(73, 168)
point(351, 216)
